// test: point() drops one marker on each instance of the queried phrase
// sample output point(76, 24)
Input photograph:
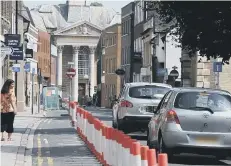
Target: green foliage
point(201, 25)
point(96, 4)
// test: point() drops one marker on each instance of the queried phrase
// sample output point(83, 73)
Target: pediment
point(83, 28)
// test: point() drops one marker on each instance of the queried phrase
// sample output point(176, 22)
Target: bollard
point(151, 157)
point(162, 159)
point(144, 155)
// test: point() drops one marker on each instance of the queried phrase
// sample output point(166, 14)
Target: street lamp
point(89, 88)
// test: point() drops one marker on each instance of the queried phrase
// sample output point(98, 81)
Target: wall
point(44, 53)
point(111, 62)
point(126, 42)
point(225, 77)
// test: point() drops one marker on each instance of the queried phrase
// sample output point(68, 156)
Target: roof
point(189, 89)
point(147, 83)
point(116, 19)
point(97, 15)
point(61, 16)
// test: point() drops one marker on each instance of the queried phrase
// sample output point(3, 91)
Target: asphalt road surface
point(181, 160)
point(57, 144)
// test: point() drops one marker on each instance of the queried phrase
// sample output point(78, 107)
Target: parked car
point(192, 120)
point(127, 113)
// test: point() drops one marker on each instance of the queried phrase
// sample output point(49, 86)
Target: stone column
point(92, 69)
point(60, 67)
point(75, 80)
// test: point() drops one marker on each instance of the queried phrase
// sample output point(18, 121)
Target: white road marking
point(45, 140)
point(49, 121)
point(46, 121)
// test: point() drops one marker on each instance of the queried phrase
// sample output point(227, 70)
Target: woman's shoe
point(9, 139)
point(2, 139)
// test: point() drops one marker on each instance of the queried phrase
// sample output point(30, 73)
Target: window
point(148, 92)
point(199, 100)
point(83, 65)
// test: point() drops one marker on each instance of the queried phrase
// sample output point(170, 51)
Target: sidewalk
point(13, 152)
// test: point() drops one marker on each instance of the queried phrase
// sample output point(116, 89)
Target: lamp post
point(89, 88)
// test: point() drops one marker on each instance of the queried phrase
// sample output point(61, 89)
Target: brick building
point(111, 40)
point(43, 55)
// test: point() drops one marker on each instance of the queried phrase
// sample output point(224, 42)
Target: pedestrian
point(8, 109)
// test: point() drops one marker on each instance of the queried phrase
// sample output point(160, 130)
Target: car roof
point(147, 83)
point(192, 89)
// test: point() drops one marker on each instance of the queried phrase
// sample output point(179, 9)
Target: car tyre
point(148, 141)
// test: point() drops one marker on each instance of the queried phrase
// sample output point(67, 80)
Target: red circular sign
point(71, 72)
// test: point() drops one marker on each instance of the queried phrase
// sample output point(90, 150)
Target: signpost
point(16, 68)
point(27, 67)
point(217, 68)
point(12, 40)
point(71, 72)
point(17, 54)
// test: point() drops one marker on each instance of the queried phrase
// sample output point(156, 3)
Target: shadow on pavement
point(196, 160)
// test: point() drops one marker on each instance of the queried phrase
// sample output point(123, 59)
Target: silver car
point(192, 120)
point(128, 114)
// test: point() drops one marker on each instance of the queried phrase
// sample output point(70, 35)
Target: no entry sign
point(71, 72)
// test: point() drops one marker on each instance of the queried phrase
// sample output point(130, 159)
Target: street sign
point(71, 72)
point(17, 54)
point(6, 50)
point(27, 67)
point(16, 68)
point(174, 73)
point(120, 72)
point(29, 53)
point(70, 63)
point(217, 66)
point(12, 40)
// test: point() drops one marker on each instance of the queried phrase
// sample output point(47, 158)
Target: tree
point(96, 4)
point(201, 25)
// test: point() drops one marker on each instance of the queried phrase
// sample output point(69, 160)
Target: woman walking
point(8, 108)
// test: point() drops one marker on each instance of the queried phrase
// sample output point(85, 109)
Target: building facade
point(43, 55)
point(127, 38)
point(137, 56)
point(111, 61)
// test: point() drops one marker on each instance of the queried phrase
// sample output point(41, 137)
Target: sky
point(115, 4)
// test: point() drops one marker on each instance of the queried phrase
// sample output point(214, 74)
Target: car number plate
point(206, 140)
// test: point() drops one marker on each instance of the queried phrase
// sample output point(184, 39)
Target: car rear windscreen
point(148, 92)
point(214, 101)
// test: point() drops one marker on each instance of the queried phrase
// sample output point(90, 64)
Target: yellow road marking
point(50, 161)
point(39, 158)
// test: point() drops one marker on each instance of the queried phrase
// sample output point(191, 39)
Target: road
point(182, 160)
point(57, 144)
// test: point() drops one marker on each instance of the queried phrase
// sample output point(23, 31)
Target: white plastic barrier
point(113, 147)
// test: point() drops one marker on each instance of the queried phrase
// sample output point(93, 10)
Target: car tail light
point(126, 103)
point(172, 117)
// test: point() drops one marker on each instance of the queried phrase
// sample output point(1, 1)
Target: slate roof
point(61, 16)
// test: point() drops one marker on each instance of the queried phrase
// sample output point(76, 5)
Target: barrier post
point(162, 159)
point(152, 157)
point(144, 155)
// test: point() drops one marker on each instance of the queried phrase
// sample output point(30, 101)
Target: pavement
point(45, 141)
point(105, 115)
point(13, 153)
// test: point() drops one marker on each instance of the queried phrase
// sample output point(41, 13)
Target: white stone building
point(76, 28)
